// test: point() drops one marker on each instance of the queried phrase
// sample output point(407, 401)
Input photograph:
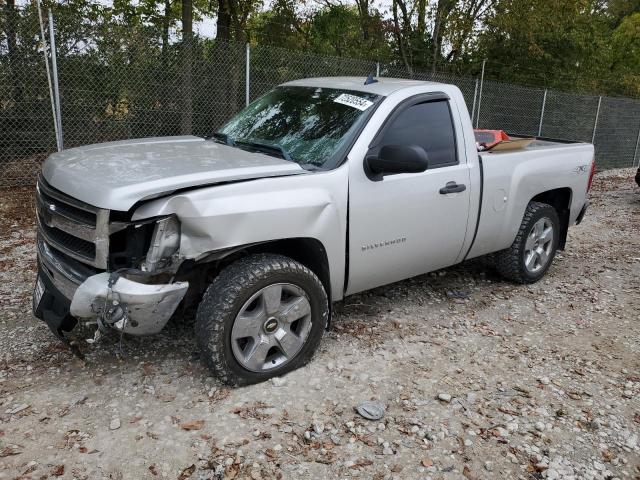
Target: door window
point(428, 125)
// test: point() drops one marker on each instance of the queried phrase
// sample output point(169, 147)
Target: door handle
point(453, 187)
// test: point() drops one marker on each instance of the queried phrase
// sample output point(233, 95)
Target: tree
point(625, 54)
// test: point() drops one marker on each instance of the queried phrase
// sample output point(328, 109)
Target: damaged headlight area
point(140, 292)
point(150, 246)
point(165, 242)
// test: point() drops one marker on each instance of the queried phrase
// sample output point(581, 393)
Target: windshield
point(306, 125)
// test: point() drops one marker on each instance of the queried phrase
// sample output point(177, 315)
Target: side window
point(428, 125)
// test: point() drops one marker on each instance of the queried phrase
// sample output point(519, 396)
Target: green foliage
point(122, 64)
point(625, 53)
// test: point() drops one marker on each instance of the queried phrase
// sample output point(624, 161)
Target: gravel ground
point(480, 378)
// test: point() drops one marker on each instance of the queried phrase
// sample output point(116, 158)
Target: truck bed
point(511, 178)
point(539, 143)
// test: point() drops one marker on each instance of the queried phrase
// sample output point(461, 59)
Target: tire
point(238, 302)
point(516, 263)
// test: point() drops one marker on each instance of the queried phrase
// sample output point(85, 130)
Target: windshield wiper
point(224, 138)
point(265, 148)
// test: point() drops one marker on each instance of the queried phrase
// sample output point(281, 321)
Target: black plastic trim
point(475, 232)
point(581, 214)
point(54, 307)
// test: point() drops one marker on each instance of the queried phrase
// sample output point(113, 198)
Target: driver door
point(406, 224)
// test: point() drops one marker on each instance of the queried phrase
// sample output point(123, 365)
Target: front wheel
point(533, 250)
point(262, 317)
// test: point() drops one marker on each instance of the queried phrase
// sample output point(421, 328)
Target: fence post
point(247, 74)
point(377, 69)
point(473, 108)
point(46, 63)
point(54, 74)
point(635, 152)
point(480, 93)
point(544, 102)
point(595, 123)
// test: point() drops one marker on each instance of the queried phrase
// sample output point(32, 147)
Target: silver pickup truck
point(319, 189)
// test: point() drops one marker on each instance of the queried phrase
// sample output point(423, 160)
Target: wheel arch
point(308, 251)
point(560, 200)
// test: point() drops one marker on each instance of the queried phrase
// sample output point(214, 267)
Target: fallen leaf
point(467, 473)
point(252, 410)
point(231, 471)
point(193, 425)
point(8, 451)
point(363, 462)
point(58, 471)
point(187, 472)
point(148, 369)
point(135, 419)
point(427, 462)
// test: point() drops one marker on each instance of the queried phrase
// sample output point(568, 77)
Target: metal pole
point(46, 62)
point(595, 123)
point(544, 102)
point(484, 62)
point(473, 108)
point(377, 69)
point(54, 75)
point(247, 74)
point(635, 152)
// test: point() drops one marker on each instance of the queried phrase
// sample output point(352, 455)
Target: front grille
point(72, 227)
point(61, 238)
point(68, 210)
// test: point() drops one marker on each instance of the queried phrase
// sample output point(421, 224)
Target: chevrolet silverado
point(319, 189)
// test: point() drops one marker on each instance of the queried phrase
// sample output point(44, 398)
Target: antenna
point(370, 80)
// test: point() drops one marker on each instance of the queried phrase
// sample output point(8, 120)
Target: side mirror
point(398, 159)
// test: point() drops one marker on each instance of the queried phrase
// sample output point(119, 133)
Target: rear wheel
point(535, 245)
point(262, 317)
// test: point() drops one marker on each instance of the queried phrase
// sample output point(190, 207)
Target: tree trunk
point(166, 23)
point(223, 23)
point(442, 12)
point(186, 124)
point(422, 13)
point(400, 36)
point(365, 20)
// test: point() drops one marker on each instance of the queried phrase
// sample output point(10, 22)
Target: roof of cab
point(384, 86)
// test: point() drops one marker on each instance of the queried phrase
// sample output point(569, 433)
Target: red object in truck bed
point(490, 138)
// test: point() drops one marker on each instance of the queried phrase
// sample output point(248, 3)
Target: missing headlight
point(165, 242)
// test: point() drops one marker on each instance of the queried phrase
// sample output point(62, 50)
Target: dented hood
point(116, 175)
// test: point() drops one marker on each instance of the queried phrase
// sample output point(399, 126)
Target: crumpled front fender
point(131, 307)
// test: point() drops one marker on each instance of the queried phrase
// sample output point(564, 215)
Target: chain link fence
point(194, 87)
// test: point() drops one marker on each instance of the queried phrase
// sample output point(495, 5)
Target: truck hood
point(116, 175)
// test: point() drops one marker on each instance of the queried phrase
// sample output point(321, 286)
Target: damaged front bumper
point(129, 306)
point(131, 303)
